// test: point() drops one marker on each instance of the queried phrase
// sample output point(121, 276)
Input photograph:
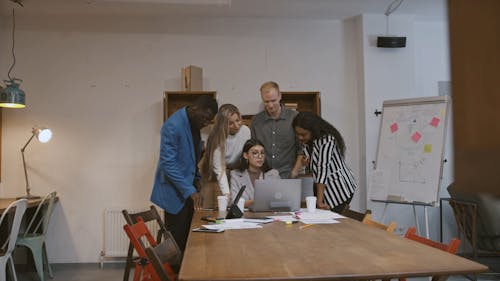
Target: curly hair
point(318, 128)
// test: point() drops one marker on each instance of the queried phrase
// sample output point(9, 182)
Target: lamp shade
point(12, 96)
point(42, 134)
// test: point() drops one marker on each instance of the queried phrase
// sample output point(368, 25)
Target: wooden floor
point(114, 271)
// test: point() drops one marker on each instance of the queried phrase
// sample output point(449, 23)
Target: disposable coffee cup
point(241, 204)
point(222, 202)
point(311, 204)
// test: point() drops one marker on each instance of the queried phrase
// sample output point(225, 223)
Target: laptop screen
point(277, 195)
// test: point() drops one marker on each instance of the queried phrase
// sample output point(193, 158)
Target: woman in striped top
point(324, 150)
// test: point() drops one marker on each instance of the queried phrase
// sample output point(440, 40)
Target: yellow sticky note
point(443, 112)
point(427, 148)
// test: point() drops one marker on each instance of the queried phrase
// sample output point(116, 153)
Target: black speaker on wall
point(391, 42)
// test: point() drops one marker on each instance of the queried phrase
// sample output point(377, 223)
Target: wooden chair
point(138, 234)
point(369, 221)
point(451, 248)
point(163, 234)
point(156, 256)
point(354, 214)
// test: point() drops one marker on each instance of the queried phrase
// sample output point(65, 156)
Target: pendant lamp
point(12, 96)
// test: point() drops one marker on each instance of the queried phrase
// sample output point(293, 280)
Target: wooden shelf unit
point(174, 100)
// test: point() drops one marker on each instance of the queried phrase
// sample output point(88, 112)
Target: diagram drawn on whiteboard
point(410, 150)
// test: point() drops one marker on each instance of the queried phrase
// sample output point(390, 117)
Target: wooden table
point(5, 202)
point(348, 250)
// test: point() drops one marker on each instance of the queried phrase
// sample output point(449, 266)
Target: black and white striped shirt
point(329, 168)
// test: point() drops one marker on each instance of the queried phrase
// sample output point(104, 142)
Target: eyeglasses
point(257, 154)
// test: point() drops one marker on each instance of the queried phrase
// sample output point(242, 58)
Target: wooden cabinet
point(174, 100)
point(300, 101)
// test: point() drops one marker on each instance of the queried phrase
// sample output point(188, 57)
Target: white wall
point(98, 84)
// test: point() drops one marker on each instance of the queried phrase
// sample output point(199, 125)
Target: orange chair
point(163, 234)
point(451, 248)
point(369, 221)
point(144, 270)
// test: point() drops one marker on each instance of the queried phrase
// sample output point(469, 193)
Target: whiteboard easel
point(410, 151)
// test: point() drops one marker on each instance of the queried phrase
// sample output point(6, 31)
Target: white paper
point(233, 224)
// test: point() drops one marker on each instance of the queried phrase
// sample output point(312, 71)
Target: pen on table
point(306, 225)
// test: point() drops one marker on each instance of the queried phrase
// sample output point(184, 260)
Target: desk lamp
point(43, 135)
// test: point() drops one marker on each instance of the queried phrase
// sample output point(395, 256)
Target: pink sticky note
point(394, 127)
point(416, 136)
point(434, 122)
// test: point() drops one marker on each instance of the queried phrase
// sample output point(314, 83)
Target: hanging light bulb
point(12, 96)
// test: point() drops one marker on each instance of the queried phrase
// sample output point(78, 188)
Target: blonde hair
point(217, 139)
point(269, 85)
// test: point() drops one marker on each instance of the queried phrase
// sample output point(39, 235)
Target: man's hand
point(197, 201)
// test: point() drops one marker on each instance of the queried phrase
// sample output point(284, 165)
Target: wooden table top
point(5, 202)
point(348, 250)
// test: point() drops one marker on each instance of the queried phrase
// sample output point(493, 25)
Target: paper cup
point(241, 204)
point(311, 204)
point(222, 202)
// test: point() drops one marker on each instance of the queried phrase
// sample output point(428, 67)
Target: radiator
point(115, 239)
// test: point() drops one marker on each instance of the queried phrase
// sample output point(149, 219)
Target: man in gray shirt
point(273, 127)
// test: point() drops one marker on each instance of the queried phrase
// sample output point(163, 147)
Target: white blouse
point(234, 147)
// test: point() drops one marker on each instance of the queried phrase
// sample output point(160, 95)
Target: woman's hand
point(323, 206)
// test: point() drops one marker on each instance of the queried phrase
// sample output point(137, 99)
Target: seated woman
point(224, 146)
point(253, 166)
point(324, 148)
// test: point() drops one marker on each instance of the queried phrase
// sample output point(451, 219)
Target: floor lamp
point(43, 135)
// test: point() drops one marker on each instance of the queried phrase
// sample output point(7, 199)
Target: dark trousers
point(179, 224)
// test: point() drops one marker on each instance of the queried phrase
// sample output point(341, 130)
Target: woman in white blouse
point(324, 149)
point(253, 166)
point(224, 146)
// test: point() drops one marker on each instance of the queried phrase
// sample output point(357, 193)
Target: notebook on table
point(277, 195)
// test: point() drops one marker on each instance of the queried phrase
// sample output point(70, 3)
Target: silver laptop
point(307, 187)
point(277, 195)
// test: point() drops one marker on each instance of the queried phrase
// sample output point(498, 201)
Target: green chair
point(8, 247)
point(34, 235)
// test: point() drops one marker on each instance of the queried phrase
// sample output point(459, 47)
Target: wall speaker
point(391, 42)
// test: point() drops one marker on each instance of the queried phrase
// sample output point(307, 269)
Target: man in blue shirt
point(176, 186)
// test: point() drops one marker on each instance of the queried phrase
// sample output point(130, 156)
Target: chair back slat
point(19, 207)
point(369, 221)
point(354, 214)
point(147, 216)
point(41, 217)
point(163, 271)
point(451, 248)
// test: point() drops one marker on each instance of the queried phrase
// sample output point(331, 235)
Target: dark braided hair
point(318, 128)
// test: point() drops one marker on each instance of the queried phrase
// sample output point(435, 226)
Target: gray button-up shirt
point(279, 139)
